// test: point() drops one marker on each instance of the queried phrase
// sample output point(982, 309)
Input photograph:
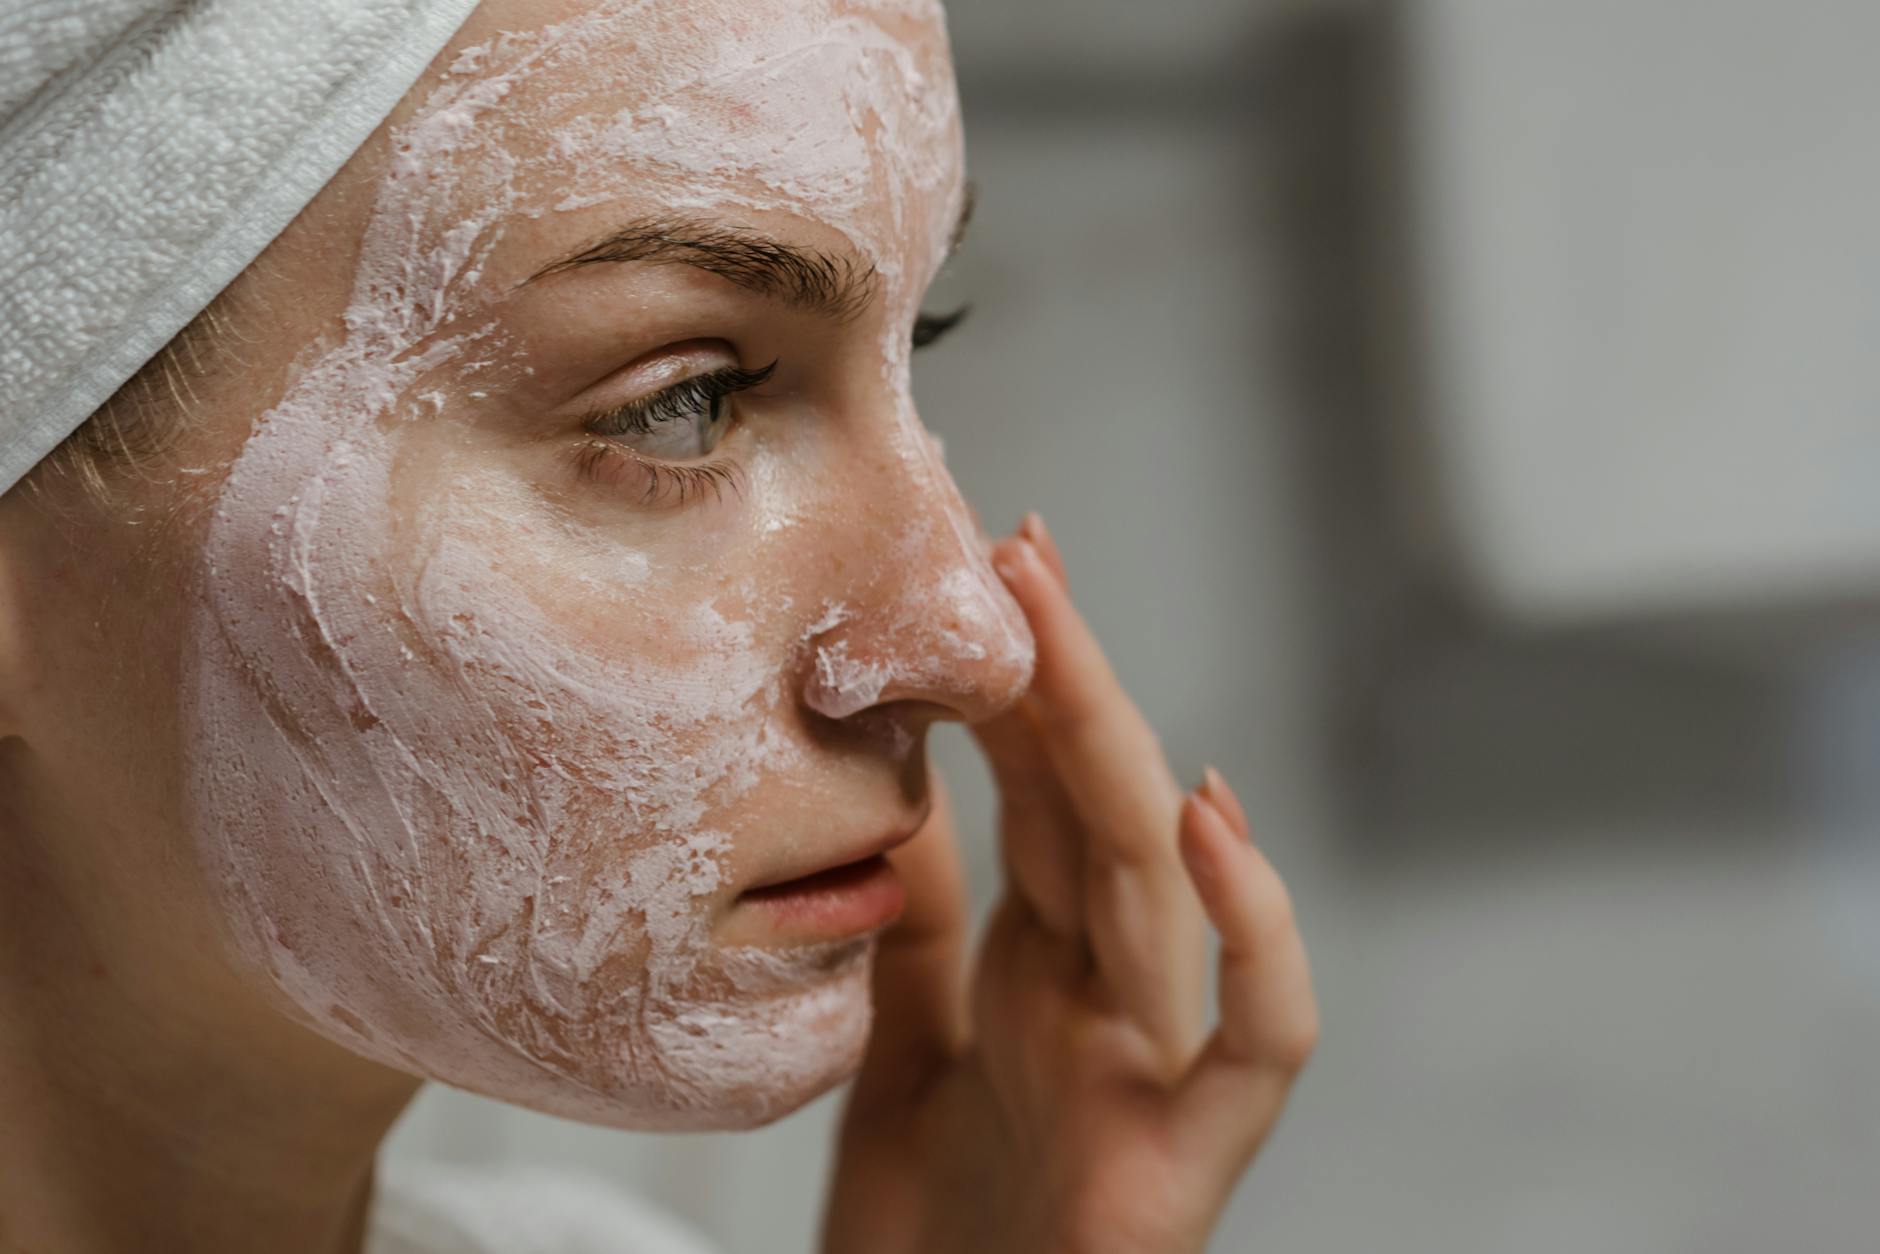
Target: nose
point(927, 619)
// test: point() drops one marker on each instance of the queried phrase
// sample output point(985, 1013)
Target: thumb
point(919, 980)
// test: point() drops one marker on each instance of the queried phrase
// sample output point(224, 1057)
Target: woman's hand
point(1071, 1101)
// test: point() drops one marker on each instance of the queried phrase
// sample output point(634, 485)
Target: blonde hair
point(146, 415)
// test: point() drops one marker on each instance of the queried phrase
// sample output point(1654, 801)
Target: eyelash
point(603, 458)
point(701, 391)
point(930, 327)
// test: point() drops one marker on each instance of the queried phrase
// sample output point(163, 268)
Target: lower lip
point(844, 901)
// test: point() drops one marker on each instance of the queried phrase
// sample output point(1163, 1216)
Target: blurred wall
point(1590, 909)
point(1643, 238)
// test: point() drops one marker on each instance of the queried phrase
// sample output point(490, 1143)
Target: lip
point(858, 852)
point(845, 900)
point(857, 894)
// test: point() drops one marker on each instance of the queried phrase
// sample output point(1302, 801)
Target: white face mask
point(480, 764)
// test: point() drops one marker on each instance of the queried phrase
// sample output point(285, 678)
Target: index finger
point(1109, 757)
point(1141, 917)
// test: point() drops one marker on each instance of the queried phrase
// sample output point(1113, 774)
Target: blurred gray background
point(1460, 420)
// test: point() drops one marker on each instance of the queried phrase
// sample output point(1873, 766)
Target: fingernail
point(1198, 866)
point(1200, 794)
point(1223, 799)
point(1031, 526)
point(1013, 556)
point(1039, 530)
point(1211, 781)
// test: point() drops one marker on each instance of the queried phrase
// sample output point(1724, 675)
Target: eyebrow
point(835, 285)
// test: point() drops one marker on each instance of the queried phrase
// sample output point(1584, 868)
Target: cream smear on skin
point(472, 834)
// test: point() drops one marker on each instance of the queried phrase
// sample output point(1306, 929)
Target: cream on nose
point(941, 628)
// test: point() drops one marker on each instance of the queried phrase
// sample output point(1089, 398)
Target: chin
point(759, 1048)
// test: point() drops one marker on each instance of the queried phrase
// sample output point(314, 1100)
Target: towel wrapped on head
point(149, 150)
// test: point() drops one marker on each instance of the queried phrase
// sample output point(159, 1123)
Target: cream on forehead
point(463, 836)
point(815, 109)
point(755, 126)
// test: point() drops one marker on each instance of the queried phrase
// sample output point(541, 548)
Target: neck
point(153, 1103)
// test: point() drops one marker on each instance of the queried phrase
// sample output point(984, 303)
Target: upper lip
point(857, 853)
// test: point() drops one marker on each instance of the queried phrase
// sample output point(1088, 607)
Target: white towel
point(149, 150)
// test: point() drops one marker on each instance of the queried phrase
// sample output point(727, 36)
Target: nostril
point(933, 624)
point(970, 663)
point(841, 684)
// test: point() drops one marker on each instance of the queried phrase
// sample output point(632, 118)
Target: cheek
point(469, 789)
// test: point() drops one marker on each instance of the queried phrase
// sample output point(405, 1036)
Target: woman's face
point(590, 567)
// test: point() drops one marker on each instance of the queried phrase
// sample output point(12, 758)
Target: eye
point(930, 327)
point(682, 422)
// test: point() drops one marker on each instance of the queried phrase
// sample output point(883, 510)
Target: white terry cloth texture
point(437, 1208)
point(149, 150)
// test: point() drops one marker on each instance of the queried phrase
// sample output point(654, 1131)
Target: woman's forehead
point(843, 115)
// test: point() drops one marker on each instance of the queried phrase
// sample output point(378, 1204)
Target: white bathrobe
point(429, 1208)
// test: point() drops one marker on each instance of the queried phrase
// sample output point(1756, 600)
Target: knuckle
point(1070, 713)
point(1128, 852)
point(1278, 918)
point(1292, 1046)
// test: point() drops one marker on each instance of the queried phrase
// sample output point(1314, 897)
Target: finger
point(1269, 1019)
point(1140, 916)
point(1027, 986)
point(1226, 802)
point(1033, 529)
point(1040, 841)
point(919, 978)
point(1107, 757)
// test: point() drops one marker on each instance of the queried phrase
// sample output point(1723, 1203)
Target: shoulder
point(432, 1208)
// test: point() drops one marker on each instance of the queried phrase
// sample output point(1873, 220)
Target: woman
point(494, 640)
